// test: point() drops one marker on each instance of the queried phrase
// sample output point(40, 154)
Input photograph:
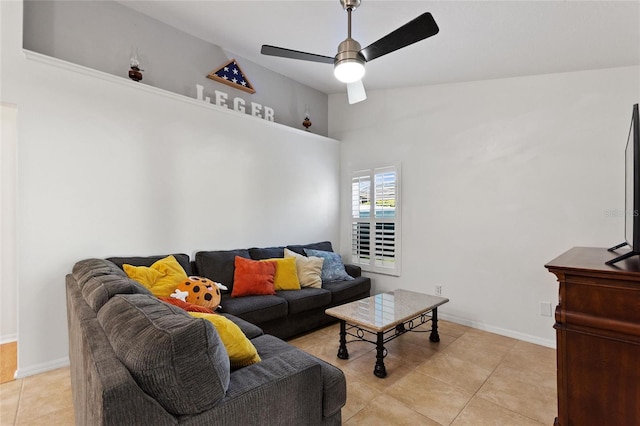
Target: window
point(375, 214)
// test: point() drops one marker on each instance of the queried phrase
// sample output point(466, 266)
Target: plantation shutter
point(375, 219)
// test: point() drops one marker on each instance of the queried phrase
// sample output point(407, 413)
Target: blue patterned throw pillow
point(332, 268)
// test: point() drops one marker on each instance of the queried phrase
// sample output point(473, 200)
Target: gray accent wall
point(102, 35)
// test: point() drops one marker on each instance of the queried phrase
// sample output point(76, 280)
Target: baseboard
point(498, 330)
point(21, 373)
point(8, 338)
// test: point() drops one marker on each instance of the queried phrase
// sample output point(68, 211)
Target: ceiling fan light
point(349, 70)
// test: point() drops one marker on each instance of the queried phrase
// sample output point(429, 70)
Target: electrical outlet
point(438, 290)
point(545, 309)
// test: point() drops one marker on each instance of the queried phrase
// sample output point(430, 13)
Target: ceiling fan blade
point(294, 54)
point(422, 27)
point(355, 92)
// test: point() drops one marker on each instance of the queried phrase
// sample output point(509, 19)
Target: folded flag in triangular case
point(231, 74)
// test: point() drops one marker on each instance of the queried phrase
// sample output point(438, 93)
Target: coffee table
point(385, 316)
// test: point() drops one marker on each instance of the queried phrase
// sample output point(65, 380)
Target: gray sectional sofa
point(288, 313)
point(136, 360)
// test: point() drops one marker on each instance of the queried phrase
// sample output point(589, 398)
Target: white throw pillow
point(309, 269)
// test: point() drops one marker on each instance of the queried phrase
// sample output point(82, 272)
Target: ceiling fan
point(350, 59)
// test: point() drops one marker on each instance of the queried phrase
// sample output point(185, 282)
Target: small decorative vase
point(135, 73)
point(306, 123)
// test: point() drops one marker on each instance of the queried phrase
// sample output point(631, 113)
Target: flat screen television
point(632, 192)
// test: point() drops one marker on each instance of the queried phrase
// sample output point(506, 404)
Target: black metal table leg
point(379, 370)
point(434, 337)
point(400, 328)
point(342, 351)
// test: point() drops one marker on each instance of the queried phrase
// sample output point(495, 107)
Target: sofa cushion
point(255, 309)
point(345, 291)
point(305, 299)
point(334, 385)
point(271, 347)
point(266, 253)
point(249, 330)
point(98, 290)
point(89, 268)
point(183, 260)
point(219, 266)
point(285, 389)
point(178, 360)
point(322, 245)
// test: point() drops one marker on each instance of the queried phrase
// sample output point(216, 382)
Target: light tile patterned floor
point(470, 378)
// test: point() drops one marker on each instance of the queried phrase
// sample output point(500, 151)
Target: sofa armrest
point(354, 270)
point(272, 370)
point(284, 389)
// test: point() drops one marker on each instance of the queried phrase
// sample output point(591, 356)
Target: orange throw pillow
point(189, 307)
point(252, 277)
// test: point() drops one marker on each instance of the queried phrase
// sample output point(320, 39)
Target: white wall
point(498, 178)
point(109, 167)
point(8, 296)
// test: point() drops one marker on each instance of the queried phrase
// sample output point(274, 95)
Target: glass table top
point(386, 310)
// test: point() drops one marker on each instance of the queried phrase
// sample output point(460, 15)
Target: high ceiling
point(478, 40)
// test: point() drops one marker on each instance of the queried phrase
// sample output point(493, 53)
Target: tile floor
point(470, 378)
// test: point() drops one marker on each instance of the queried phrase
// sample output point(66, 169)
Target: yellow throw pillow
point(286, 277)
point(161, 278)
point(240, 349)
point(309, 268)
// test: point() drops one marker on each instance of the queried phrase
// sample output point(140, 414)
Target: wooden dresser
point(598, 338)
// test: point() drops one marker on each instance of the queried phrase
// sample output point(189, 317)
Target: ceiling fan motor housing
point(349, 49)
point(349, 58)
point(350, 4)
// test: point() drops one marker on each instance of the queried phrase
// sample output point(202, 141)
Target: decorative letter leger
point(222, 99)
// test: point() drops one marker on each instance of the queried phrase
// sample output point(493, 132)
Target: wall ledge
point(70, 66)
